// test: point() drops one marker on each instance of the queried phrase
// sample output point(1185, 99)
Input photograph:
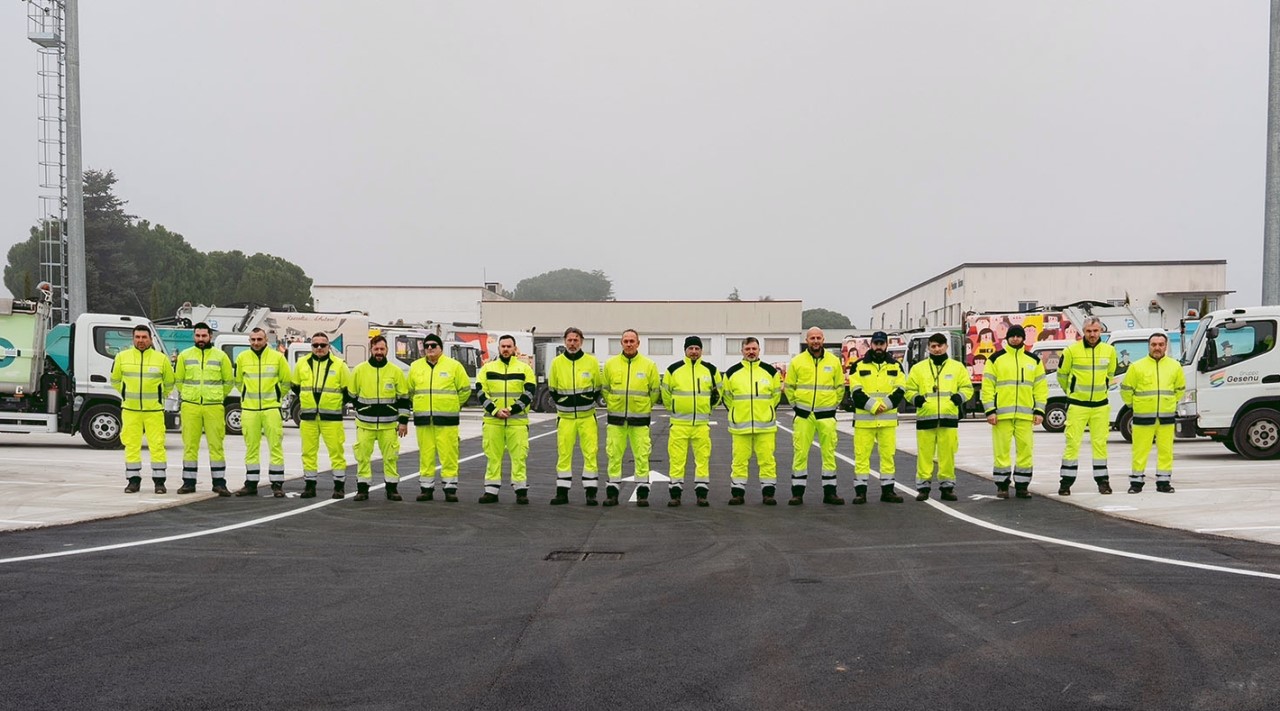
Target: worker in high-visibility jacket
point(814, 386)
point(1152, 387)
point(876, 385)
point(380, 393)
point(575, 384)
point(1014, 394)
point(320, 384)
point(1085, 375)
point(204, 378)
point(752, 391)
point(690, 390)
point(143, 376)
point(506, 385)
point(438, 388)
point(630, 387)
point(262, 376)
point(939, 388)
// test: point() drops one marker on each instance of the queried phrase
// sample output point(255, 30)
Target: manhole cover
point(583, 555)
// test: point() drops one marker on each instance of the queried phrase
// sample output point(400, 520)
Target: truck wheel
point(1125, 425)
point(1055, 417)
point(100, 427)
point(295, 414)
point(232, 418)
point(1226, 442)
point(1257, 434)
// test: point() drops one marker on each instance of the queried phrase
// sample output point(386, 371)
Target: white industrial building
point(408, 304)
point(1159, 292)
point(663, 326)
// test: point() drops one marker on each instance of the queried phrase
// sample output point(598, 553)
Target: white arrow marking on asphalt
point(977, 497)
point(653, 477)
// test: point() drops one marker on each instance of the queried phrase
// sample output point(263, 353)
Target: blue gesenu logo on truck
point(1221, 378)
point(8, 353)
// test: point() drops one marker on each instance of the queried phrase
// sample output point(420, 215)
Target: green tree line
point(135, 267)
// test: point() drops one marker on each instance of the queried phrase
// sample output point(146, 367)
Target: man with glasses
point(438, 388)
point(319, 382)
point(204, 382)
point(262, 376)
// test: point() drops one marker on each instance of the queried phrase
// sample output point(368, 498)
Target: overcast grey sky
point(835, 152)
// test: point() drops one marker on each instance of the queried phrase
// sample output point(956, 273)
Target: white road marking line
point(1238, 528)
point(14, 520)
point(223, 529)
point(3, 482)
point(1071, 544)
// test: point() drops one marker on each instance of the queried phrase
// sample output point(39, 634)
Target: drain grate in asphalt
point(583, 555)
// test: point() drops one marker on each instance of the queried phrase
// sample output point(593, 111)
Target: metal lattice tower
point(51, 25)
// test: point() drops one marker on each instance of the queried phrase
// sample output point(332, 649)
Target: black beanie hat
point(693, 341)
point(1016, 331)
point(433, 338)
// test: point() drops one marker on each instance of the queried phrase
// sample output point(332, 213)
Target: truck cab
point(1233, 380)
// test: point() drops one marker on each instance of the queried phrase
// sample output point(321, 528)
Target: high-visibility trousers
point(498, 437)
point(864, 440)
point(134, 425)
point(582, 430)
point(762, 444)
point(254, 424)
point(616, 439)
point(680, 439)
point(334, 436)
point(1143, 437)
point(438, 442)
point(1005, 433)
point(1098, 421)
point(209, 422)
point(388, 441)
point(942, 442)
point(804, 430)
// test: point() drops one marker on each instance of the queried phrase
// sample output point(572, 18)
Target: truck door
point(1239, 366)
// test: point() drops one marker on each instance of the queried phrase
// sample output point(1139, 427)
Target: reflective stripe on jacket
point(438, 392)
point(752, 392)
point(575, 384)
point(142, 378)
point(689, 391)
point(321, 385)
point(630, 389)
point(204, 375)
point(262, 377)
point(937, 385)
point(1014, 385)
point(1086, 371)
point(873, 383)
point(1153, 388)
point(506, 385)
point(381, 395)
point(815, 386)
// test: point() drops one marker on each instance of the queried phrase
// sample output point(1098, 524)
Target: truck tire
point(295, 414)
point(100, 427)
point(232, 418)
point(1226, 442)
point(1125, 424)
point(1257, 434)
point(1055, 417)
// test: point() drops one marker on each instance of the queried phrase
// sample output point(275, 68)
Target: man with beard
point(876, 385)
point(381, 396)
point(204, 381)
point(262, 376)
point(814, 386)
point(1014, 394)
point(939, 388)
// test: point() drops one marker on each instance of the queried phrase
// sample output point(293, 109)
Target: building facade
point(408, 304)
point(1159, 292)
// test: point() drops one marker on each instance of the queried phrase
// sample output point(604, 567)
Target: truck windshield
point(1195, 331)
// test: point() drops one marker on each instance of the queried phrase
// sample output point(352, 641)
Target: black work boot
point(738, 496)
point(188, 486)
point(675, 498)
point(450, 496)
point(425, 494)
point(393, 491)
point(1104, 486)
point(888, 495)
point(797, 496)
point(766, 494)
point(1020, 491)
point(488, 498)
point(642, 496)
point(339, 489)
point(923, 494)
point(1064, 486)
point(220, 487)
point(309, 489)
point(362, 491)
point(829, 495)
point(1002, 491)
point(522, 497)
point(1164, 487)
point(701, 496)
point(591, 496)
point(562, 496)
point(250, 488)
point(277, 489)
point(859, 494)
point(1135, 487)
point(949, 494)
point(135, 483)
point(159, 485)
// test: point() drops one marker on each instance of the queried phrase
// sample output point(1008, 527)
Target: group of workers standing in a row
point(432, 393)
